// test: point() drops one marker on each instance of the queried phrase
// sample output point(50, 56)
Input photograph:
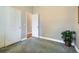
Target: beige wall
point(29, 22)
point(76, 26)
point(54, 20)
point(24, 8)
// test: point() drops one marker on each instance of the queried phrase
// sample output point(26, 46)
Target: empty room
point(39, 29)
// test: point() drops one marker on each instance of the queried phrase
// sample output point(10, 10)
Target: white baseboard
point(76, 48)
point(23, 39)
point(56, 40)
point(36, 36)
point(60, 41)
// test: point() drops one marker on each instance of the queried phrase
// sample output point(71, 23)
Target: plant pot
point(67, 43)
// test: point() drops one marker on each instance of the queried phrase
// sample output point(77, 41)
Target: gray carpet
point(36, 45)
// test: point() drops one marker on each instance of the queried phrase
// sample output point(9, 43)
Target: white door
point(13, 30)
point(35, 25)
point(2, 26)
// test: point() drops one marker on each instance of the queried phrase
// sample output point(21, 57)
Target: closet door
point(2, 26)
point(13, 30)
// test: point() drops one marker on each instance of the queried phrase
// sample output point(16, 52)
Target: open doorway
point(32, 25)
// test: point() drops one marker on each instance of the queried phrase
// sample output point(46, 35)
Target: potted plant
point(68, 37)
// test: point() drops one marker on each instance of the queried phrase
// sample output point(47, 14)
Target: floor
point(36, 45)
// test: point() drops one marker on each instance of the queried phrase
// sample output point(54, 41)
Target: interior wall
point(24, 8)
point(25, 23)
point(29, 23)
point(2, 25)
point(54, 20)
point(76, 26)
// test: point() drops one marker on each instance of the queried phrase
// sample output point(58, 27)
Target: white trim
point(76, 48)
point(36, 36)
point(56, 40)
point(60, 41)
point(23, 39)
